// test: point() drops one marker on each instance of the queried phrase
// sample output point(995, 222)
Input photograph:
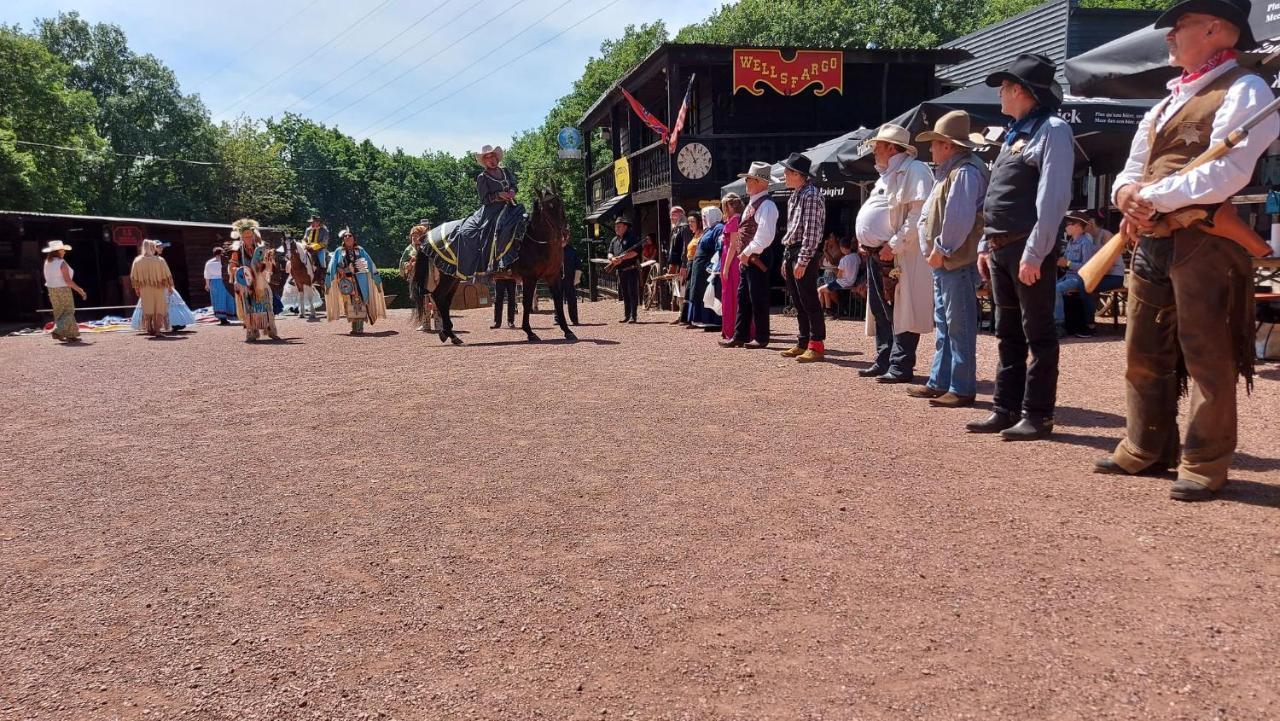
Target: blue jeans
point(955, 318)
point(1069, 282)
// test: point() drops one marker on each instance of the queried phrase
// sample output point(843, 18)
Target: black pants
point(895, 352)
point(504, 288)
point(753, 305)
point(804, 294)
point(570, 292)
point(1024, 322)
point(629, 289)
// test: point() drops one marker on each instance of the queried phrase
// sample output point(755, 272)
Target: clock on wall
point(694, 161)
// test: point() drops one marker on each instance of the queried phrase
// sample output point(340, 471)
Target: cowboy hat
point(894, 135)
point(487, 149)
point(798, 163)
point(759, 170)
point(1080, 217)
point(953, 127)
point(622, 219)
point(1035, 73)
point(1235, 12)
point(54, 246)
point(315, 217)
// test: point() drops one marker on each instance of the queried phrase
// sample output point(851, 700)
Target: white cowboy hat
point(54, 246)
point(760, 171)
point(479, 154)
point(894, 135)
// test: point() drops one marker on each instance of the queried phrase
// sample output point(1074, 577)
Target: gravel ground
point(637, 526)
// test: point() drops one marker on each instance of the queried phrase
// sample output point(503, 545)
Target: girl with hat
point(355, 288)
point(152, 281)
point(58, 279)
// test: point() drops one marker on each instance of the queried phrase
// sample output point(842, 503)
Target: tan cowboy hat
point(479, 154)
point(895, 135)
point(954, 128)
point(55, 246)
point(1080, 217)
point(760, 171)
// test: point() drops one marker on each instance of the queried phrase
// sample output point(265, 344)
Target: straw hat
point(759, 170)
point(487, 149)
point(54, 246)
point(894, 135)
point(953, 128)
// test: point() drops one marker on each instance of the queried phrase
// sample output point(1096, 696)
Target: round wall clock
point(694, 161)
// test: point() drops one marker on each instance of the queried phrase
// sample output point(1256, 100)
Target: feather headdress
point(239, 228)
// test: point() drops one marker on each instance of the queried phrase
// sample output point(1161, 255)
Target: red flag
point(654, 124)
point(684, 111)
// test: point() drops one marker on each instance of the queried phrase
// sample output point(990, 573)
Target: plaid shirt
point(806, 216)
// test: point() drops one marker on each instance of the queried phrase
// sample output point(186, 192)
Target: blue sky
point(226, 50)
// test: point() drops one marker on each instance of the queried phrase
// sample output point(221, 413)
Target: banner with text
point(755, 68)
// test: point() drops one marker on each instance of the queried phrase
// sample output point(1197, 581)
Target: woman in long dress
point(224, 304)
point(355, 288)
point(58, 278)
point(701, 316)
point(730, 272)
point(152, 281)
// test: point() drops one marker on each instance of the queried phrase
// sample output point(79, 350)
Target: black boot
point(1028, 429)
point(994, 423)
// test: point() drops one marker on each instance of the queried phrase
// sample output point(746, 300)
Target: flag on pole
point(654, 124)
point(684, 112)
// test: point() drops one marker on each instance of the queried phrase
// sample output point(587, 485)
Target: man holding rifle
point(1190, 292)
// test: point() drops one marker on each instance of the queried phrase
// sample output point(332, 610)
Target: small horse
point(303, 271)
point(541, 258)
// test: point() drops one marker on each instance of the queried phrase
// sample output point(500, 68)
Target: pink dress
point(730, 271)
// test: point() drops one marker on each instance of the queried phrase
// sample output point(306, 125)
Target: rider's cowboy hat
point(893, 135)
point(54, 246)
point(1035, 73)
point(315, 217)
point(759, 170)
point(479, 154)
point(1235, 12)
point(953, 128)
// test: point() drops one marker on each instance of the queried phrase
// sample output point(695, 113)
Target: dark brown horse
point(541, 258)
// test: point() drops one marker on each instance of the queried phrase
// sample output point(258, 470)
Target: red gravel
point(638, 526)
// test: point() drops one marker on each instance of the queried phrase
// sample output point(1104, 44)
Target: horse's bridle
point(548, 222)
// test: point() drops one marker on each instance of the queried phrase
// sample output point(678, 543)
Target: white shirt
point(1215, 182)
point(53, 273)
point(213, 269)
point(766, 217)
point(848, 273)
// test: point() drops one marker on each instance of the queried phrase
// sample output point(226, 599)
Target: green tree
point(254, 181)
point(36, 106)
point(836, 23)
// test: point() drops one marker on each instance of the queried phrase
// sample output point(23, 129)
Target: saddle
point(486, 242)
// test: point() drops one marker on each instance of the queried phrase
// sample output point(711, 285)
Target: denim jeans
point(955, 317)
point(1069, 282)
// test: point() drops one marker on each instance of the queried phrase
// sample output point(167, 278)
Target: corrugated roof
point(1042, 29)
point(108, 219)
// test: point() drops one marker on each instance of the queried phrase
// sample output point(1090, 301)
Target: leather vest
point(1186, 135)
point(748, 226)
point(967, 253)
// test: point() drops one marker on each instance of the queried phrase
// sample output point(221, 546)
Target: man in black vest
point(1027, 198)
point(624, 256)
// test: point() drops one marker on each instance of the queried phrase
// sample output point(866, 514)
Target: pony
point(541, 259)
point(302, 269)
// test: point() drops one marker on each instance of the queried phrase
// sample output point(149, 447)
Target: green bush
point(393, 284)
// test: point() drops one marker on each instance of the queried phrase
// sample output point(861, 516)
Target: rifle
point(1225, 223)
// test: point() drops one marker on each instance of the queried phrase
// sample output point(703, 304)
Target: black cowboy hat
point(799, 163)
point(622, 219)
point(1235, 12)
point(1035, 73)
point(314, 218)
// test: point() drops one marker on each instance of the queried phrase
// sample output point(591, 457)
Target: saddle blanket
point(486, 242)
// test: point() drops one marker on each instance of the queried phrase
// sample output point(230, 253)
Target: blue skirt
point(224, 304)
point(179, 313)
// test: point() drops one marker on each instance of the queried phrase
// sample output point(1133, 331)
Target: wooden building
point(746, 104)
point(102, 253)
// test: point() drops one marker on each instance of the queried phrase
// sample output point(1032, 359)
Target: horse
point(541, 258)
point(303, 271)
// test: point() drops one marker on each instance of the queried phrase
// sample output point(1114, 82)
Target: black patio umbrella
point(1137, 65)
point(825, 165)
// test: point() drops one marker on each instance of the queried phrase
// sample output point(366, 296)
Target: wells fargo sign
point(753, 68)
point(126, 235)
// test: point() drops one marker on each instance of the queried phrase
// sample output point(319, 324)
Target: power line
point(157, 158)
point(530, 51)
point(258, 41)
point(475, 30)
point(371, 53)
point(319, 47)
point(402, 53)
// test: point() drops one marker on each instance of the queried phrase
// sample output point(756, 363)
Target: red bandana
point(1219, 58)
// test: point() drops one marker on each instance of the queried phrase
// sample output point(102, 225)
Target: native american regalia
point(355, 288)
point(489, 240)
point(253, 300)
point(151, 279)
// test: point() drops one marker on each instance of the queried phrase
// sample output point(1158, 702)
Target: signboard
point(127, 235)
point(755, 68)
point(570, 142)
point(622, 176)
